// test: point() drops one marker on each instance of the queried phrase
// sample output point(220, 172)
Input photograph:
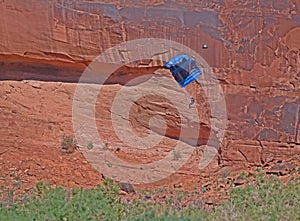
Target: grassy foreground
point(262, 199)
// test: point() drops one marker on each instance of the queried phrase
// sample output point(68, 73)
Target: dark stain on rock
point(254, 108)
point(206, 18)
point(268, 135)
point(289, 117)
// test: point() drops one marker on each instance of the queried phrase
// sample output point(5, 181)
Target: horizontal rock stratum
point(253, 49)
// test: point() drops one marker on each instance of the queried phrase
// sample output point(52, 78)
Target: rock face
point(253, 48)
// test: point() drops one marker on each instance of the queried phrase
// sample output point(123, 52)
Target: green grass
point(262, 199)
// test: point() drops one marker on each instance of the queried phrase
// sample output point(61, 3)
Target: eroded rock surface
point(253, 48)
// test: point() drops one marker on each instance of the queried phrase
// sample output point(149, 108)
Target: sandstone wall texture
point(253, 48)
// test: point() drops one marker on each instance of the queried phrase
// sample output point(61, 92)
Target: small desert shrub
point(90, 145)
point(68, 144)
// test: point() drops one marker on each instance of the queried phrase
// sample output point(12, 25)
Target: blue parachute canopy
point(184, 69)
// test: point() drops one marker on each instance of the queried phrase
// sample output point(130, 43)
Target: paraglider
point(184, 70)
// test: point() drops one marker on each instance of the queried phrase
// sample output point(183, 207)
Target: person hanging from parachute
point(185, 71)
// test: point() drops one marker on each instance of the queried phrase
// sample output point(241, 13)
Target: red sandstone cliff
point(253, 48)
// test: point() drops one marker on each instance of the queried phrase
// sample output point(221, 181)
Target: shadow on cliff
point(69, 72)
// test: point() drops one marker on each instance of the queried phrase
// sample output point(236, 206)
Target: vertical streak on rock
point(51, 23)
point(124, 32)
point(297, 125)
point(3, 26)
